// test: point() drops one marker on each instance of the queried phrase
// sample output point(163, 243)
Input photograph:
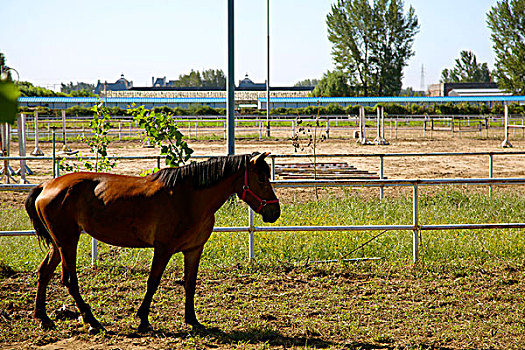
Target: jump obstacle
point(506, 143)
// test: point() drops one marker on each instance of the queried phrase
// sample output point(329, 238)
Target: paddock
point(452, 302)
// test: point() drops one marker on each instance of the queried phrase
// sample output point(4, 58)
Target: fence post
point(54, 152)
point(362, 127)
point(273, 169)
point(21, 126)
point(6, 171)
point(251, 230)
point(381, 168)
point(491, 171)
point(94, 252)
point(65, 148)
point(415, 217)
point(506, 143)
point(380, 139)
point(37, 151)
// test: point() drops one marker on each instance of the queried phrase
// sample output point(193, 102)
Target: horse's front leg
point(161, 257)
point(191, 267)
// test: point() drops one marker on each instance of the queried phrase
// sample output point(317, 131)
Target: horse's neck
point(215, 196)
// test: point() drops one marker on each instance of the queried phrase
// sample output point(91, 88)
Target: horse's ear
point(259, 157)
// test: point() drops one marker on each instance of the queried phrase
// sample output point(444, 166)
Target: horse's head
point(257, 190)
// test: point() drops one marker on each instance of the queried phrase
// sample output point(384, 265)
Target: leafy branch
point(98, 144)
point(308, 138)
point(161, 129)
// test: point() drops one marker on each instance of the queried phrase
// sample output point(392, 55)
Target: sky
point(54, 41)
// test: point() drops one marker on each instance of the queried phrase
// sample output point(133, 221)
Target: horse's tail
point(40, 228)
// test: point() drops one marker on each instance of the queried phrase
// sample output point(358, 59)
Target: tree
point(70, 87)
point(506, 20)
point(372, 43)
point(333, 84)
point(214, 78)
point(28, 89)
point(209, 78)
point(466, 70)
point(9, 94)
point(307, 82)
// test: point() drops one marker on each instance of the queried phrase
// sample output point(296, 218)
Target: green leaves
point(466, 70)
point(161, 129)
point(98, 144)
point(333, 84)
point(372, 43)
point(8, 102)
point(505, 20)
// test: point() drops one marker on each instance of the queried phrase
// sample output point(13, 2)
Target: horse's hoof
point(96, 329)
point(197, 326)
point(47, 325)
point(145, 328)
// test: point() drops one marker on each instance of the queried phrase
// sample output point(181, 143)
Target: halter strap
point(246, 189)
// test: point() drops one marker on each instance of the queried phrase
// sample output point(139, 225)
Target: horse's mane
point(202, 174)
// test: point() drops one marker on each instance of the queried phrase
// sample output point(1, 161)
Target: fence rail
point(274, 157)
point(415, 227)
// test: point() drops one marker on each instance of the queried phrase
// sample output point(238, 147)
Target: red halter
point(246, 189)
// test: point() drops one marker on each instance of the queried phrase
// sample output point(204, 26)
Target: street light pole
point(230, 88)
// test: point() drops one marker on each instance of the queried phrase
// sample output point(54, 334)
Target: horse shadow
point(259, 336)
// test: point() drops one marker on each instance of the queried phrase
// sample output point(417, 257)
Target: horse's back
point(106, 206)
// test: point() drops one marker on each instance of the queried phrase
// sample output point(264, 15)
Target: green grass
point(446, 206)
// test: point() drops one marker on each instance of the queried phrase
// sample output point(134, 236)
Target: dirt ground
point(395, 167)
point(405, 141)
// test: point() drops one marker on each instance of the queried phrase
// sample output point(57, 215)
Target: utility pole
point(422, 80)
point(230, 84)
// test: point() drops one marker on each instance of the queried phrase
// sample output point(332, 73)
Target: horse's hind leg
point(45, 272)
point(70, 280)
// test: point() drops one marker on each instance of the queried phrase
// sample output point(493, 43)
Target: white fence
point(194, 126)
point(415, 227)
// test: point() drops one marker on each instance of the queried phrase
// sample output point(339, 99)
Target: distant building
point(464, 89)
point(248, 84)
point(162, 82)
point(120, 85)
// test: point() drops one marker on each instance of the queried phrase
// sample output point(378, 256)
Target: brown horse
point(171, 211)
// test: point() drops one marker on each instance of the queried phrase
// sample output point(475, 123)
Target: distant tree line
point(307, 82)
point(79, 89)
point(209, 78)
point(27, 89)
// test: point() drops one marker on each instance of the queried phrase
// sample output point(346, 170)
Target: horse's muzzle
point(271, 213)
